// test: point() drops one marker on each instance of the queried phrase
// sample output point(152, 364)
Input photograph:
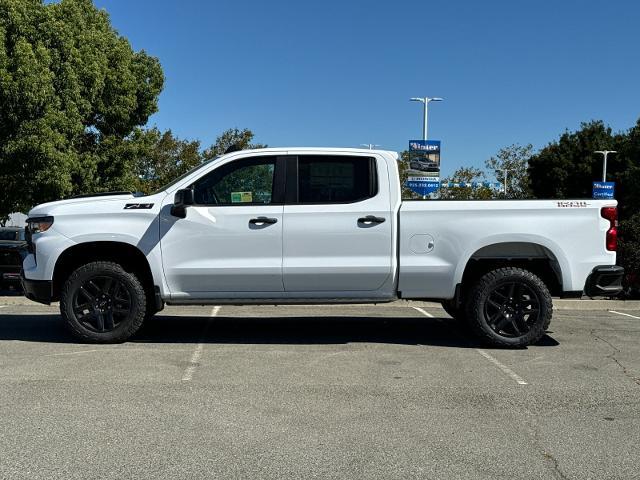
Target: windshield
point(184, 175)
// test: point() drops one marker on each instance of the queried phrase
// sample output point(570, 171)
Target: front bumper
point(37, 290)
point(604, 281)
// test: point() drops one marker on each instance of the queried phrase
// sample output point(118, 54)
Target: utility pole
point(370, 146)
point(605, 154)
point(425, 101)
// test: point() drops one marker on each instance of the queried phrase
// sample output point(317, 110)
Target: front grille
point(10, 258)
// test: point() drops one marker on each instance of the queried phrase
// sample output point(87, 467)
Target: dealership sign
point(427, 146)
point(423, 185)
point(424, 158)
point(604, 190)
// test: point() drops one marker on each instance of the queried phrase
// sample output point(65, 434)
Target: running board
point(279, 301)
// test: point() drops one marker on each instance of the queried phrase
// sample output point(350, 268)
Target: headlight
point(39, 224)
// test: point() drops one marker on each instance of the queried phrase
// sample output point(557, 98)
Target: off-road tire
point(128, 326)
point(477, 305)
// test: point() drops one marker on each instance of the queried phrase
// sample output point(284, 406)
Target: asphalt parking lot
point(391, 391)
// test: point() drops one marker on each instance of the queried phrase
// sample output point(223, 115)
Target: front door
point(231, 240)
point(338, 226)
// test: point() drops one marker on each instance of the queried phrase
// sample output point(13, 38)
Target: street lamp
point(505, 173)
point(604, 153)
point(370, 146)
point(425, 101)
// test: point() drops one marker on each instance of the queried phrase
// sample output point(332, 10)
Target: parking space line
point(622, 313)
point(427, 314)
point(197, 352)
point(502, 367)
point(80, 352)
point(423, 311)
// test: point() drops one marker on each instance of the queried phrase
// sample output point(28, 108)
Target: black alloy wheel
point(512, 309)
point(509, 307)
point(101, 303)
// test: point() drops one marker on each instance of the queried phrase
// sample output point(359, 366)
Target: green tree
point(514, 158)
point(567, 167)
point(403, 169)
point(161, 157)
point(466, 175)
point(72, 91)
point(232, 137)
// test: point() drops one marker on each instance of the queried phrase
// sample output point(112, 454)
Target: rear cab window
point(326, 179)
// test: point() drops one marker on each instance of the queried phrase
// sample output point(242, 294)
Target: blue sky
point(340, 73)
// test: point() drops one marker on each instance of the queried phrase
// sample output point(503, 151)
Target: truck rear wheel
point(509, 307)
point(102, 303)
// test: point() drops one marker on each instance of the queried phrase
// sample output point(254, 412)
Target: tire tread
point(89, 337)
point(480, 291)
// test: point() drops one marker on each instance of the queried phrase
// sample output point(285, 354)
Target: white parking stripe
point(71, 353)
point(622, 313)
point(427, 314)
point(424, 312)
point(197, 353)
point(502, 367)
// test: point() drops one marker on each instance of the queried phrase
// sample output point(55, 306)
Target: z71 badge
point(138, 206)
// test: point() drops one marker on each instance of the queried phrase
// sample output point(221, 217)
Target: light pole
point(505, 173)
point(604, 153)
point(370, 146)
point(425, 101)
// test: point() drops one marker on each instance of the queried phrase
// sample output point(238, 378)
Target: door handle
point(370, 219)
point(263, 220)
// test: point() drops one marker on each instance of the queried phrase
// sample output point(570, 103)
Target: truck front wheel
point(509, 307)
point(102, 303)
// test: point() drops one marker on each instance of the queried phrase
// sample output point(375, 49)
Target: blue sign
point(424, 156)
point(603, 190)
point(426, 146)
point(423, 185)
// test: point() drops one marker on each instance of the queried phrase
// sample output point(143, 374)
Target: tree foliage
point(234, 137)
point(466, 175)
point(515, 159)
point(72, 91)
point(567, 167)
point(161, 157)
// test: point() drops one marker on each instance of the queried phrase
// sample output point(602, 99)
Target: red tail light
point(611, 214)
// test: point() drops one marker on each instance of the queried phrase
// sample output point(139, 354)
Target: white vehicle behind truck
point(315, 225)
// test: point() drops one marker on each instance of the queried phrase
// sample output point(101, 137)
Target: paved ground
point(318, 392)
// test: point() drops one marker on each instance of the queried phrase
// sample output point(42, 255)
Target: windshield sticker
point(241, 197)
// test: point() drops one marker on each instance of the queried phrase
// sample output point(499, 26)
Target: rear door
point(337, 228)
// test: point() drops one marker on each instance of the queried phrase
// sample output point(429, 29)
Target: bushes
point(629, 254)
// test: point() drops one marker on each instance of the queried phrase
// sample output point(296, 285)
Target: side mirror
point(182, 199)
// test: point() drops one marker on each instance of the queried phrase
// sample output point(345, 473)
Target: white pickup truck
point(314, 225)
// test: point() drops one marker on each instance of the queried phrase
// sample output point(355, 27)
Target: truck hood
point(50, 207)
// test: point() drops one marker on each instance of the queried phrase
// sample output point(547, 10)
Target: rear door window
point(335, 179)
